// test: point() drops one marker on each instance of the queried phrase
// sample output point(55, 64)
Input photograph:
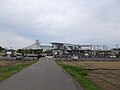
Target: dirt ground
point(10, 63)
point(105, 74)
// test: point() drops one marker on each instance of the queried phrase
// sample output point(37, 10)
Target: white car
point(112, 56)
point(19, 56)
point(75, 57)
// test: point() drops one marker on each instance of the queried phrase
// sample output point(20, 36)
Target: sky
point(69, 21)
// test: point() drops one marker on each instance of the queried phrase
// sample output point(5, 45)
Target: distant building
point(69, 47)
point(37, 45)
point(66, 49)
point(10, 52)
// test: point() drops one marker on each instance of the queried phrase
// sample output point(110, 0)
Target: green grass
point(79, 75)
point(9, 71)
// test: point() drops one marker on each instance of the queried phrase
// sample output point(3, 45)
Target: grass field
point(8, 68)
point(105, 74)
point(79, 75)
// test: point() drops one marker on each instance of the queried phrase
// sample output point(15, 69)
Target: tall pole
point(116, 46)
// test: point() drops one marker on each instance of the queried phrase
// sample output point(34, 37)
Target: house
point(10, 52)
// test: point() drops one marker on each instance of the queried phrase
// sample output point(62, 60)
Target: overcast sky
point(70, 21)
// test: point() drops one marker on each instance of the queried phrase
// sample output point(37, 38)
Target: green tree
point(1, 49)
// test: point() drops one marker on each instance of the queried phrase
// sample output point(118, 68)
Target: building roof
point(70, 44)
point(37, 45)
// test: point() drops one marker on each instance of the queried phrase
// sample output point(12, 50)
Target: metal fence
point(68, 59)
point(90, 59)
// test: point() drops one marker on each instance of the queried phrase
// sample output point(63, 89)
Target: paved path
point(43, 75)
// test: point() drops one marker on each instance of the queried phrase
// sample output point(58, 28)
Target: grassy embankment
point(8, 71)
point(79, 75)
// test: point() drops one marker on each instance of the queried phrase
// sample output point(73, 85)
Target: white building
point(37, 45)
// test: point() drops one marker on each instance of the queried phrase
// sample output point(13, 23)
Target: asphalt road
point(43, 75)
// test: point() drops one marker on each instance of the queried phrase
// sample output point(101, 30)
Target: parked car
point(75, 57)
point(19, 56)
point(112, 56)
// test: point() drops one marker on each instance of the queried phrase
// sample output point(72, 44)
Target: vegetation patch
point(80, 75)
point(8, 71)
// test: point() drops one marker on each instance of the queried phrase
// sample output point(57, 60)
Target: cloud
point(73, 21)
point(13, 40)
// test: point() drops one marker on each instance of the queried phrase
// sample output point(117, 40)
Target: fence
point(90, 59)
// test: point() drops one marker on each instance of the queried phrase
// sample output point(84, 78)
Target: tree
point(30, 51)
point(1, 49)
point(20, 51)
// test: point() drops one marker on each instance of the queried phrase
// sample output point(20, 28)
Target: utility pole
point(97, 47)
point(116, 46)
point(106, 47)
